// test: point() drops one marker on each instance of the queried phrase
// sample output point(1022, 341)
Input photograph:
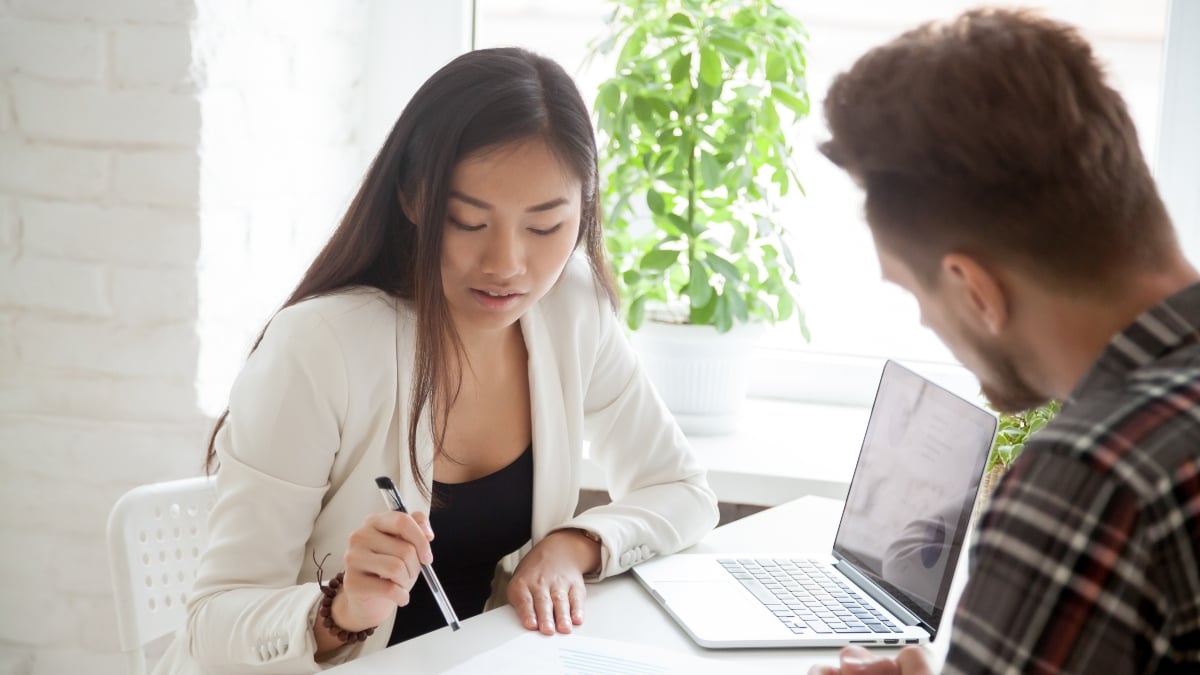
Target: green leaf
point(795, 103)
point(679, 222)
point(698, 287)
point(681, 71)
point(803, 321)
point(769, 119)
point(722, 319)
point(741, 235)
point(710, 92)
point(724, 268)
point(737, 304)
point(703, 316)
point(609, 98)
point(776, 67)
point(710, 66)
point(637, 313)
point(682, 20)
point(787, 254)
point(631, 277)
point(710, 170)
point(659, 259)
point(660, 107)
point(731, 46)
point(643, 110)
point(786, 306)
point(656, 202)
point(633, 46)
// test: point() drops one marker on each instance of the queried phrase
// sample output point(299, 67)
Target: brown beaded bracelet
point(326, 611)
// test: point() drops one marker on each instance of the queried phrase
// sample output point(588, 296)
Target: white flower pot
point(699, 373)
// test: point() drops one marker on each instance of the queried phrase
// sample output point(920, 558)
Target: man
point(1006, 191)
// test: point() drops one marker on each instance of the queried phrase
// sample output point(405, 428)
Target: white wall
point(168, 168)
point(1177, 166)
point(281, 99)
point(433, 34)
point(99, 186)
point(295, 105)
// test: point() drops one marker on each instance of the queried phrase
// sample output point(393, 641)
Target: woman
point(451, 337)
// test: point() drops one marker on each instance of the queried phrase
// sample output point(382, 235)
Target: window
point(856, 320)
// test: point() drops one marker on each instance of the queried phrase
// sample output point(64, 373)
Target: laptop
point(898, 542)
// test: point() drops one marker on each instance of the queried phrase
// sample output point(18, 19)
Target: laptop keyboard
point(807, 598)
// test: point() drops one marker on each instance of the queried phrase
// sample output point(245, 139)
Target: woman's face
point(512, 221)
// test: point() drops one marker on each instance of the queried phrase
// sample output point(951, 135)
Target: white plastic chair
point(156, 533)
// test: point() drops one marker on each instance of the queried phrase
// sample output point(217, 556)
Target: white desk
point(619, 609)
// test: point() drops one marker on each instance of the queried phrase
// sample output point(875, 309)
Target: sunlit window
point(850, 311)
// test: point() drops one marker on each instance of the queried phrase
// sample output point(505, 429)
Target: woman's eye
point(546, 231)
point(467, 228)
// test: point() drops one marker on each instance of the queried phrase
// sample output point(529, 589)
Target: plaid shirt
point(1088, 558)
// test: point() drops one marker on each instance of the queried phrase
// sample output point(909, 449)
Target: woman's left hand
point(547, 588)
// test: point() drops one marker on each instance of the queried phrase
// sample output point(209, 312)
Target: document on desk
point(537, 654)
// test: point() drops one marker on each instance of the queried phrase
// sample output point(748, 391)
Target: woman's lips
point(496, 299)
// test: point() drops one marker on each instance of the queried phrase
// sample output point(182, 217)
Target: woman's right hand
point(382, 562)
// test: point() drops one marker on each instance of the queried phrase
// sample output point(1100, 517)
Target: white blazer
point(321, 409)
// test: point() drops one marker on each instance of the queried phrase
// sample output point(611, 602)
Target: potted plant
point(1012, 433)
point(696, 128)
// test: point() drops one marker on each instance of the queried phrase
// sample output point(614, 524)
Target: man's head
point(994, 157)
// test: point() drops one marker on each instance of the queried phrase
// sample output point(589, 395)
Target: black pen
point(392, 498)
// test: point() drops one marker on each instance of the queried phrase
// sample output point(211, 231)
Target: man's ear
point(977, 290)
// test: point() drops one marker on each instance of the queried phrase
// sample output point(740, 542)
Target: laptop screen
point(910, 501)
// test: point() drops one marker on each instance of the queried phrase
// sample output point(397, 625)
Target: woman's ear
point(976, 291)
point(411, 208)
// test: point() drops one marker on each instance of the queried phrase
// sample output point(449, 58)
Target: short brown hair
point(995, 135)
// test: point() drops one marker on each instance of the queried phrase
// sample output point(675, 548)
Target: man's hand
point(855, 660)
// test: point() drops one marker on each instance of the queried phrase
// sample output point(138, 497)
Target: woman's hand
point(382, 562)
point(547, 589)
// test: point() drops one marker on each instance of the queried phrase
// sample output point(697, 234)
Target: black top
point(478, 523)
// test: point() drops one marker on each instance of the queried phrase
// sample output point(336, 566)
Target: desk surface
point(619, 609)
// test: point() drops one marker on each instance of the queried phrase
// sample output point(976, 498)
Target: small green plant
point(696, 126)
point(1014, 431)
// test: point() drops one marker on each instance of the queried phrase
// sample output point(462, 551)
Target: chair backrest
point(156, 533)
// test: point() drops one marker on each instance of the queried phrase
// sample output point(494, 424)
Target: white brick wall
point(5, 107)
point(106, 12)
point(34, 170)
point(51, 112)
point(157, 177)
point(99, 240)
point(172, 49)
point(140, 251)
point(128, 235)
point(57, 51)
point(58, 286)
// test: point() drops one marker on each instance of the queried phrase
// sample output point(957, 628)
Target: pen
point(392, 498)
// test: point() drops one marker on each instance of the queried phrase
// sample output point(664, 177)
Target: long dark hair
point(482, 99)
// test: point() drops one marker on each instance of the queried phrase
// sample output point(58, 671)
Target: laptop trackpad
point(719, 612)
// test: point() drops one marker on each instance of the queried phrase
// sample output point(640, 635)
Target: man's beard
point(1005, 388)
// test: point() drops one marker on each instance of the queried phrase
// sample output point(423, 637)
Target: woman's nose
point(504, 256)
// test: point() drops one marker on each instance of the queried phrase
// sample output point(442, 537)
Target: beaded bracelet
point(326, 611)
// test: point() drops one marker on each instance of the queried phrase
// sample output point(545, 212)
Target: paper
point(536, 654)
